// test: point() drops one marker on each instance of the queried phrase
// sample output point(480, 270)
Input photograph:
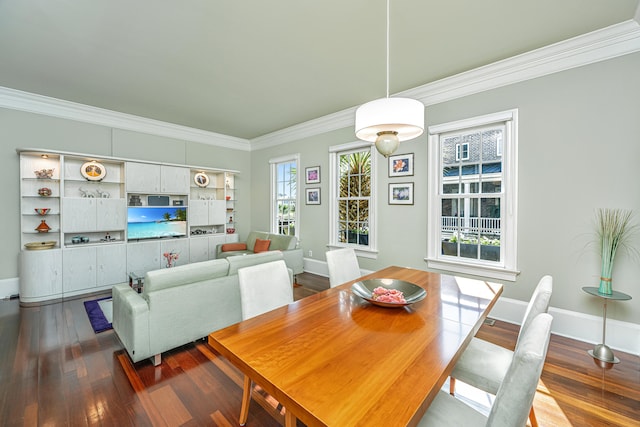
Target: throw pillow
point(234, 247)
point(261, 245)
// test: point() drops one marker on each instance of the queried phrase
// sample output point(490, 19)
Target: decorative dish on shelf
point(40, 245)
point(388, 292)
point(42, 211)
point(93, 171)
point(201, 179)
point(44, 173)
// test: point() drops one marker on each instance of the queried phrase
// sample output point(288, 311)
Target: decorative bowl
point(44, 173)
point(44, 192)
point(42, 211)
point(40, 245)
point(412, 293)
point(231, 230)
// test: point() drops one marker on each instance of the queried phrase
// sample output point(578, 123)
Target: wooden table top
point(333, 359)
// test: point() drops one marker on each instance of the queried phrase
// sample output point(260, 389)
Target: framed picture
point(201, 179)
point(93, 171)
point(401, 165)
point(401, 193)
point(313, 196)
point(312, 175)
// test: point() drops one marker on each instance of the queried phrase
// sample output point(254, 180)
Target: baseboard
point(622, 336)
point(9, 287)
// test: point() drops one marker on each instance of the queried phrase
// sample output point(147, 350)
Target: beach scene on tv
point(156, 222)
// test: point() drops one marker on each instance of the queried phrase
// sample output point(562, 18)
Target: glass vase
point(605, 287)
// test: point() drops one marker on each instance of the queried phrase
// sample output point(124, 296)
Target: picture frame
point(401, 165)
point(401, 193)
point(312, 175)
point(201, 179)
point(313, 196)
point(93, 171)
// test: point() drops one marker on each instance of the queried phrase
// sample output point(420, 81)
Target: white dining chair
point(263, 287)
point(343, 266)
point(514, 396)
point(484, 365)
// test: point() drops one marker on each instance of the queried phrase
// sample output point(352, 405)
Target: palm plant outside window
point(354, 197)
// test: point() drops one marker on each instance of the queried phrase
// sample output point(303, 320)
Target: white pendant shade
point(403, 116)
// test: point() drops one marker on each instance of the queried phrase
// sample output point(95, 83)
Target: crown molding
point(39, 104)
point(600, 45)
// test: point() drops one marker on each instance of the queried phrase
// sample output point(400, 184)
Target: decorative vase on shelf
point(43, 227)
point(614, 229)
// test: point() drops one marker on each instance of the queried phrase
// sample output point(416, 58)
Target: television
point(156, 222)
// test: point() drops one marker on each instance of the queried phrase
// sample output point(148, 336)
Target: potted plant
point(614, 229)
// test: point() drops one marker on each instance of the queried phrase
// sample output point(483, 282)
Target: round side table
point(602, 351)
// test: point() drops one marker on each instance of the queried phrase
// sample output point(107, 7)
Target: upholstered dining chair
point(343, 266)
point(484, 365)
point(516, 393)
point(263, 287)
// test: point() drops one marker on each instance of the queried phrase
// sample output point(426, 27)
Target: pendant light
point(388, 121)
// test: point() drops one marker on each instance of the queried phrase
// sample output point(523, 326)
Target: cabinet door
point(174, 179)
point(111, 263)
point(198, 212)
point(79, 269)
point(217, 212)
point(178, 246)
point(143, 257)
point(198, 249)
point(111, 214)
point(78, 214)
point(40, 275)
point(142, 177)
point(214, 241)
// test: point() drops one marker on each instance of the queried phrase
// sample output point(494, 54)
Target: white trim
point(485, 120)
point(39, 104)
point(273, 165)
point(472, 269)
point(9, 287)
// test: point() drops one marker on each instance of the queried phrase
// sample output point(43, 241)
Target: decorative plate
point(201, 179)
point(40, 245)
point(93, 171)
point(412, 293)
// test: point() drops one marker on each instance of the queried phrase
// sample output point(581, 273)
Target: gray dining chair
point(484, 365)
point(343, 266)
point(263, 287)
point(515, 394)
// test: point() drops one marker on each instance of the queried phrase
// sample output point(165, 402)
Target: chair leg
point(246, 399)
point(532, 418)
point(452, 386)
point(289, 419)
point(156, 359)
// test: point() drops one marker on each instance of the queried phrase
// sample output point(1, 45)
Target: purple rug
point(99, 322)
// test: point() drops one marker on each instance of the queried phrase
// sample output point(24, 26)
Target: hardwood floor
point(55, 371)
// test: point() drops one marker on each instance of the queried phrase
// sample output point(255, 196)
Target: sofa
point(180, 305)
point(272, 242)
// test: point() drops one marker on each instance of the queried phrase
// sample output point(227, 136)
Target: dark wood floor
point(55, 371)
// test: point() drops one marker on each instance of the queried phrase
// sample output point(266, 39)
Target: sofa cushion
point(241, 261)
point(229, 247)
point(261, 245)
point(281, 242)
point(253, 235)
point(184, 274)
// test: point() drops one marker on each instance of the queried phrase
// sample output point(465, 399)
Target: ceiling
point(246, 68)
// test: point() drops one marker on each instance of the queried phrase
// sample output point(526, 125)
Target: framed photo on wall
point(401, 165)
point(312, 175)
point(401, 193)
point(313, 196)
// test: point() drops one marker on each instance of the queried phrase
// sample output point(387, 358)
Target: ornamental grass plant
point(614, 229)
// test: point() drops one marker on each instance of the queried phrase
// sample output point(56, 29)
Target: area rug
point(100, 312)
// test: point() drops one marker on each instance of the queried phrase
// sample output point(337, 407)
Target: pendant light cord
point(388, 48)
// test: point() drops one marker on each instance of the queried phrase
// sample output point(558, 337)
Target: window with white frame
point(352, 201)
point(284, 195)
point(473, 196)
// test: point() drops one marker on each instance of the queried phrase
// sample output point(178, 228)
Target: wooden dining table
point(335, 359)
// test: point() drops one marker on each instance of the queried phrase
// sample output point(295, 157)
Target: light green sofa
point(181, 304)
point(287, 244)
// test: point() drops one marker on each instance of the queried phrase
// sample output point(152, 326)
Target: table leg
point(289, 419)
point(602, 351)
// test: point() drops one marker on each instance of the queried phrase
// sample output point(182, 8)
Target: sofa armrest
point(294, 260)
point(131, 321)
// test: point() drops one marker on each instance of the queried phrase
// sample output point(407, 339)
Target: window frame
point(506, 269)
point(369, 251)
point(273, 220)
point(460, 148)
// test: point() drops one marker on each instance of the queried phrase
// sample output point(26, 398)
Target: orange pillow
point(261, 245)
point(234, 247)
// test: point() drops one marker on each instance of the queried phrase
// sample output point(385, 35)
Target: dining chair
point(343, 266)
point(263, 287)
point(484, 365)
point(514, 396)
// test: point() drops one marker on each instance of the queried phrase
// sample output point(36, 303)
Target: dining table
point(336, 359)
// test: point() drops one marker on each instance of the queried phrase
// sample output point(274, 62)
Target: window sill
point(363, 253)
point(483, 271)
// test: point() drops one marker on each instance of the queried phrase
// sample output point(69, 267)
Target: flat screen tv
point(155, 222)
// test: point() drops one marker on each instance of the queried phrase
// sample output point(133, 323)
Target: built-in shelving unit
point(90, 205)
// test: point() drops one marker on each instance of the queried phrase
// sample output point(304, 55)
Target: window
point(352, 203)
point(473, 196)
point(284, 199)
